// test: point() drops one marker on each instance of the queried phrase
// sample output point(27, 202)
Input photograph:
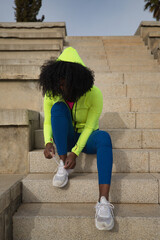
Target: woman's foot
point(104, 217)
point(60, 179)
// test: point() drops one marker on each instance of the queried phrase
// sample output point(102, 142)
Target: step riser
point(29, 47)
point(106, 45)
point(46, 55)
point(151, 78)
point(99, 60)
point(120, 138)
point(25, 69)
point(50, 228)
point(124, 120)
point(123, 189)
point(28, 42)
point(129, 91)
point(132, 68)
point(123, 161)
point(30, 35)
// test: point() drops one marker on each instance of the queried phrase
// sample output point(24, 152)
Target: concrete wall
point(150, 33)
point(10, 200)
point(16, 139)
point(24, 47)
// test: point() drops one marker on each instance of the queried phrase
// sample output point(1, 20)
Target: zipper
point(71, 110)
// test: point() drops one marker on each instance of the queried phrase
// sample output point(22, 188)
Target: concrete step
point(21, 62)
point(124, 161)
point(135, 68)
point(94, 65)
point(89, 38)
point(12, 44)
point(109, 78)
point(127, 52)
point(14, 41)
point(134, 78)
point(44, 55)
point(124, 120)
point(49, 221)
point(99, 42)
point(30, 47)
point(143, 90)
point(99, 60)
point(122, 39)
point(125, 47)
point(90, 44)
point(87, 50)
point(104, 40)
point(121, 138)
point(30, 35)
point(122, 43)
point(125, 104)
point(130, 55)
point(139, 77)
point(125, 188)
point(35, 69)
point(20, 69)
point(95, 52)
point(133, 62)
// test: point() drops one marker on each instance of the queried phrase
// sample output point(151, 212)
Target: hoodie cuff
point(48, 140)
point(76, 149)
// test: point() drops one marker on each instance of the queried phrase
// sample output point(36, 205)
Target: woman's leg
point(62, 129)
point(100, 142)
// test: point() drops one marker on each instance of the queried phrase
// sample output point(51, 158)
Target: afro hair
point(78, 79)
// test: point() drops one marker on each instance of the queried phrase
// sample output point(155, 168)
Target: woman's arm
point(47, 127)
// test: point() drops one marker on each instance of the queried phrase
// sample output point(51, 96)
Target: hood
point(70, 54)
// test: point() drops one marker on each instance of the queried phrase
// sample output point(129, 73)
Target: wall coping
point(17, 116)
point(32, 24)
point(147, 24)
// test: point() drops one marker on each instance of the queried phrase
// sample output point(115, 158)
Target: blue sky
point(89, 17)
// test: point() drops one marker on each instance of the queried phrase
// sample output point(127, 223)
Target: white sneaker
point(104, 217)
point(60, 179)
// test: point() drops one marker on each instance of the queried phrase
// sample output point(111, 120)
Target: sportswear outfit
point(74, 127)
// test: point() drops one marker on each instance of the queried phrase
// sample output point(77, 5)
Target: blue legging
point(65, 138)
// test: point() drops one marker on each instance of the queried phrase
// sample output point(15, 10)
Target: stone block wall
point(150, 33)
point(16, 139)
point(24, 47)
point(10, 200)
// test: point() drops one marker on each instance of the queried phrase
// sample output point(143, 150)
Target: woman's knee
point(59, 108)
point(104, 138)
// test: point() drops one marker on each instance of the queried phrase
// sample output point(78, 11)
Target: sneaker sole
point(99, 225)
point(54, 184)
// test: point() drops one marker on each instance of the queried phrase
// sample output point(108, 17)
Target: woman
point(72, 107)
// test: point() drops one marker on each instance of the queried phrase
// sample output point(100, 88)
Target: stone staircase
point(125, 72)
point(129, 78)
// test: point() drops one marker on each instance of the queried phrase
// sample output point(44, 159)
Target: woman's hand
point(49, 151)
point(70, 161)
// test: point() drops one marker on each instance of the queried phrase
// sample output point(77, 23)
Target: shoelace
point(59, 168)
point(105, 206)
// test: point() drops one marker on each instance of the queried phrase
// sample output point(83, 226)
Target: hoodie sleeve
point(47, 127)
point(94, 101)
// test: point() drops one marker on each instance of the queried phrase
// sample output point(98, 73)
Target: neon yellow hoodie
point(88, 109)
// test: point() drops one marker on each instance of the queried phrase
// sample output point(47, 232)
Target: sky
point(89, 17)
